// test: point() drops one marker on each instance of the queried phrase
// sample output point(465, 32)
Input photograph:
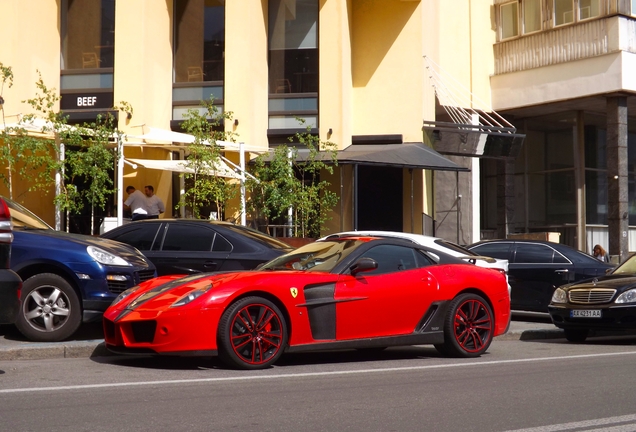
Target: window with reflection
point(563, 12)
point(293, 46)
point(199, 40)
point(589, 9)
point(88, 34)
point(509, 20)
point(531, 16)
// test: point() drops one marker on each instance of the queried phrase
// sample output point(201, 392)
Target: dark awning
point(407, 155)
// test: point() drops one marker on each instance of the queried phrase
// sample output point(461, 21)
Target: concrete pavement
point(89, 340)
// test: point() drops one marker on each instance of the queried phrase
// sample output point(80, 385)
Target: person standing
point(155, 205)
point(137, 203)
point(600, 254)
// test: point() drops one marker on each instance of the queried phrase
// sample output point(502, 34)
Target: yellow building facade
point(355, 70)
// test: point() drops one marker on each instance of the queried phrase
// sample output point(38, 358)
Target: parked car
point(602, 303)
point(186, 246)
point(351, 292)
point(68, 278)
point(536, 268)
point(435, 243)
point(10, 282)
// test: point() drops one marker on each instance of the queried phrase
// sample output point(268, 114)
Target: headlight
point(107, 258)
point(192, 295)
point(559, 296)
point(627, 297)
point(125, 294)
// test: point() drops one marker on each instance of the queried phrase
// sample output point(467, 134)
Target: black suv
point(10, 282)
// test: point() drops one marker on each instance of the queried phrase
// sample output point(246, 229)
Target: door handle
point(212, 264)
point(561, 271)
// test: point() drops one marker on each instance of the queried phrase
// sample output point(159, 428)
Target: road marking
point(625, 427)
point(310, 374)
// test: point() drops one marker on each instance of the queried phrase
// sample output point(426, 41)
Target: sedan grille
point(591, 295)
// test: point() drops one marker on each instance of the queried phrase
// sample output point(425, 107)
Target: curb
point(44, 351)
point(97, 348)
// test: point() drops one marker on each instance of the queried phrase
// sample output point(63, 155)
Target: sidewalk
point(89, 342)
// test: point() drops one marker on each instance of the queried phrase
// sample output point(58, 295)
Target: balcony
point(566, 44)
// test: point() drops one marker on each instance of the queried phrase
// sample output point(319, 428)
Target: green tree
point(22, 153)
point(205, 186)
point(291, 179)
point(84, 154)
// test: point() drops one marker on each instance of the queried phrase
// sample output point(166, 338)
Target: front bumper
point(180, 332)
point(613, 317)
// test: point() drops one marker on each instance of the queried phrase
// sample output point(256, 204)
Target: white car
point(437, 244)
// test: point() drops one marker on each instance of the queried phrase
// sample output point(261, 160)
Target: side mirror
point(363, 264)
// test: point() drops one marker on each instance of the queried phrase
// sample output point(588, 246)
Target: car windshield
point(23, 218)
point(455, 247)
point(320, 256)
point(627, 268)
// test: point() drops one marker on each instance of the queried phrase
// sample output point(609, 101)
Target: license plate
point(586, 313)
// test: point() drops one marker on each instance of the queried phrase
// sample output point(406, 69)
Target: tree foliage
point(204, 187)
point(82, 155)
point(290, 179)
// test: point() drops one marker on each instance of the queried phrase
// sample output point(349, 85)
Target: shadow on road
point(87, 331)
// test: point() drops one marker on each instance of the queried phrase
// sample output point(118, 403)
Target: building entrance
point(380, 198)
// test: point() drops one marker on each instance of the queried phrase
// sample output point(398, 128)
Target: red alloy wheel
point(473, 325)
point(256, 334)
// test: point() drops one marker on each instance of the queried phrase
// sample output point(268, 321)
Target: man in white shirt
point(137, 203)
point(155, 205)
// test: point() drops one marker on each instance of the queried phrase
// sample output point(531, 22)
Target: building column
point(579, 180)
point(618, 214)
point(505, 196)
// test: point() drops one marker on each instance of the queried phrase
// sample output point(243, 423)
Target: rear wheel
point(576, 335)
point(468, 327)
point(50, 309)
point(252, 334)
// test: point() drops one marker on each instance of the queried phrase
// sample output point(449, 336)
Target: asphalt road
point(543, 385)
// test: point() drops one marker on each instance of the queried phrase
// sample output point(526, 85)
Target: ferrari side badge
point(294, 292)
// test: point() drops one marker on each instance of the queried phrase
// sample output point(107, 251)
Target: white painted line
point(589, 423)
point(309, 374)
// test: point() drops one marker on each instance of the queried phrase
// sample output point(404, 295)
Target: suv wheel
point(50, 309)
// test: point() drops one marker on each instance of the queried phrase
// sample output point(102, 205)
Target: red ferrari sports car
point(353, 292)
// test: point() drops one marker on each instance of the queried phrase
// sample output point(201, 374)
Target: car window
point(559, 258)
point(188, 238)
point(533, 253)
point(391, 258)
point(140, 236)
point(257, 236)
point(221, 244)
point(494, 250)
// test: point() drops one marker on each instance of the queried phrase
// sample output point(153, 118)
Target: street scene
point(532, 379)
point(318, 215)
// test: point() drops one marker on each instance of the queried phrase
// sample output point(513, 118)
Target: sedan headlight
point(107, 258)
point(192, 295)
point(559, 296)
point(627, 297)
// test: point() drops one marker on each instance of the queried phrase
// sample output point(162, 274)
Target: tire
point(468, 327)
point(252, 334)
point(50, 309)
point(576, 335)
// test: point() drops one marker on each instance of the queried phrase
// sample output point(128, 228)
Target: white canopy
point(221, 169)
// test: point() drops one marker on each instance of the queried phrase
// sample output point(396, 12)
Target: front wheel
point(468, 327)
point(50, 310)
point(576, 335)
point(252, 334)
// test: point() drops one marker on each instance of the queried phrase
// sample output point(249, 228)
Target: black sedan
point(604, 303)
point(186, 246)
point(536, 268)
